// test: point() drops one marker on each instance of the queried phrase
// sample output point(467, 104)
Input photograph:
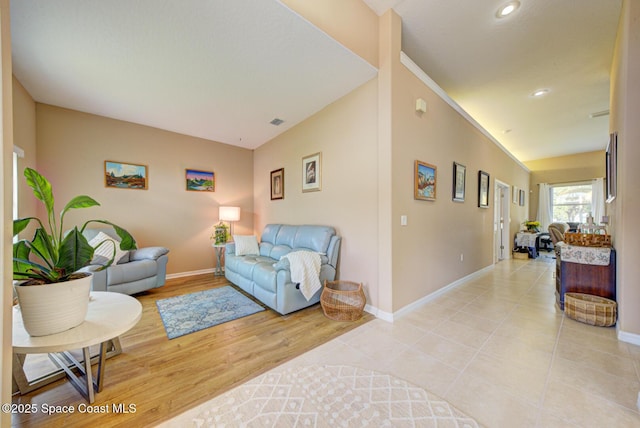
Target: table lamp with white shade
point(229, 214)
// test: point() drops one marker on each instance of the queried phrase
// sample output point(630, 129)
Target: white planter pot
point(53, 308)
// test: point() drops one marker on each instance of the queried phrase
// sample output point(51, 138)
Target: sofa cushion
point(278, 251)
point(264, 276)
point(270, 232)
point(286, 235)
point(103, 252)
point(246, 245)
point(243, 265)
point(315, 238)
point(265, 249)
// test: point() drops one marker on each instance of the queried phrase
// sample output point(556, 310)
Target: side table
point(219, 249)
point(109, 315)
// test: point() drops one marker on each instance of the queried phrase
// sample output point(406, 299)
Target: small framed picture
point(125, 175)
point(483, 189)
point(312, 173)
point(424, 181)
point(459, 177)
point(521, 198)
point(277, 184)
point(200, 181)
point(515, 195)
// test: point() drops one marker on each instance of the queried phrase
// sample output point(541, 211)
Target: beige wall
point(24, 136)
point(369, 141)
point(426, 252)
point(345, 134)
point(73, 146)
point(625, 209)
point(563, 169)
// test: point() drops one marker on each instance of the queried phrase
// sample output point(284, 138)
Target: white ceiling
point(216, 69)
point(491, 66)
point(222, 70)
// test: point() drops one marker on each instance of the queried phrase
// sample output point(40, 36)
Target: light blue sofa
point(267, 278)
point(143, 269)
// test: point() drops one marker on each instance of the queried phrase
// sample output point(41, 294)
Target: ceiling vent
point(599, 114)
point(276, 122)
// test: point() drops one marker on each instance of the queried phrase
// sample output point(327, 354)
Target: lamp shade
point(229, 213)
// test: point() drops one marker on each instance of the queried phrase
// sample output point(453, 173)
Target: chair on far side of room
point(557, 231)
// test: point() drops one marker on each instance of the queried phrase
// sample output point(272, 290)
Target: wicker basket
point(343, 300)
point(587, 239)
point(590, 309)
point(520, 256)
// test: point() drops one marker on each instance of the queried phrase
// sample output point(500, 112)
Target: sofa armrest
point(98, 277)
point(333, 250)
point(230, 248)
point(148, 253)
point(283, 264)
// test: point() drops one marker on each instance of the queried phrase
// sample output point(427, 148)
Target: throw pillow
point(246, 245)
point(103, 253)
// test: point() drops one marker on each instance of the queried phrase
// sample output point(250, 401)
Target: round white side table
point(108, 316)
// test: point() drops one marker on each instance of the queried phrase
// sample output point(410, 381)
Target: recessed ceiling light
point(507, 9)
point(540, 92)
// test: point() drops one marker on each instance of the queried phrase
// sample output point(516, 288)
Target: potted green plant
point(532, 225)
point(220, 233)
point(52, 294)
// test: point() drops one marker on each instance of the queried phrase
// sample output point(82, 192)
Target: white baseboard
point(632, 338)
point(385, 316)
point(390, 317)
point(192, 273)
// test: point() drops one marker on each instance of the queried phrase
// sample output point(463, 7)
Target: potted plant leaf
point(52, 294)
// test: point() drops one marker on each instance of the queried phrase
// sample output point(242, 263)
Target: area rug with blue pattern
point(196, 311)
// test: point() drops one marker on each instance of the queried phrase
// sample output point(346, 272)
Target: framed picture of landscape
point(424, 181)
point(200, 181)
point(125, 175)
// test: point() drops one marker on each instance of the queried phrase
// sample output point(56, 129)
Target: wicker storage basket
point(520, 256)
point(343, 300)
point(587, 239)
point(590, 309)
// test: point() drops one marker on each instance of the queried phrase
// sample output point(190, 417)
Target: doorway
point(501, 247)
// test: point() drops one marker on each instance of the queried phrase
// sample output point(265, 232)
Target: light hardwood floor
point(163, 378)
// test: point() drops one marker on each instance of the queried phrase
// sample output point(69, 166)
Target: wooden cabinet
point(587, 279)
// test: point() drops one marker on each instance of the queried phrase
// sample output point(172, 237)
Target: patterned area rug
point(325, 396)
point(196, 311)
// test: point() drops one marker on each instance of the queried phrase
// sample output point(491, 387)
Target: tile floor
point(497, 348)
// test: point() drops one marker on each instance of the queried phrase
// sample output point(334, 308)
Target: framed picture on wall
point(277, 184)
point(515, 195)
point(125, 175)
point(424, 181)
point(459, 178)
point(521, 198)
point(611, 166)
point(200, 181)
point(483, 189)
point(312, 173)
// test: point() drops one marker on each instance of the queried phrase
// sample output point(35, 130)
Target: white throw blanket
point(305, 270)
